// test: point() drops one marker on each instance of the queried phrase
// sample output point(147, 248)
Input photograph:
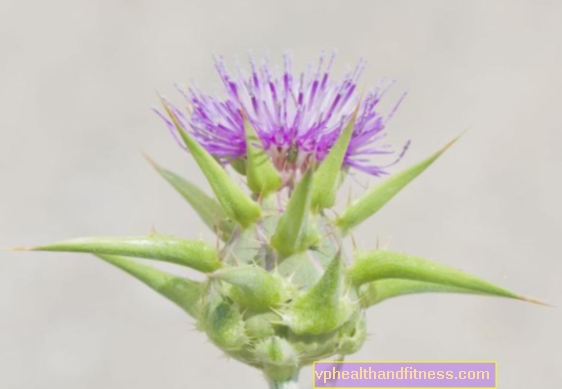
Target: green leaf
point(182, 291)
point(326, 177)
point(293, 234)
point(263, 178)
point(377, 291)
point(206, 207)
point(322, 308)
point(235, 203)
point(253, 286)
point(194, 254)
point(381, 264)
point(374, 199)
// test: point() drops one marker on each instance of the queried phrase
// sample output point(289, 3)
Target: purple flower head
point(297, 116)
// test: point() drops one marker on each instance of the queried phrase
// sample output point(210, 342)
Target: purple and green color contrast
point(298, 117)
point(283, 283)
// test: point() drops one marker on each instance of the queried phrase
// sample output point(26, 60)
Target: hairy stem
point(293, 383)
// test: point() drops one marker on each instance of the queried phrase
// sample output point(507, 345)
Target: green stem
point(293, 383)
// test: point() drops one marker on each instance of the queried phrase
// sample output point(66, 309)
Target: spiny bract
point(281, 292)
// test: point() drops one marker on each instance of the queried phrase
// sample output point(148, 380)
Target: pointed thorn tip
point(19, 248)
point(536, 301)
point(145, 155)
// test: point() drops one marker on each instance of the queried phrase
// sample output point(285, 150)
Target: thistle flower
point(297, 117)
point(281, 289)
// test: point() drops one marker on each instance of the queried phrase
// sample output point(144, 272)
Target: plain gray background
point(77, 79)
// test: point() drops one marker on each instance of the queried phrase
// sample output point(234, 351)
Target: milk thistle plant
point(282, 287)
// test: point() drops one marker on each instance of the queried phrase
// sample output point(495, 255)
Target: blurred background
point(78, 78)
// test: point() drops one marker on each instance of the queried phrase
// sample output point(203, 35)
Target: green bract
point(281, 292)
